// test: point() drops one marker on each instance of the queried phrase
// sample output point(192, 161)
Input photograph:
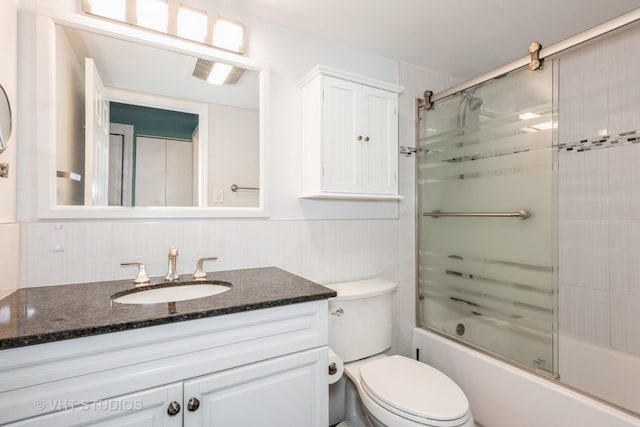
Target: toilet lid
point(413, 387)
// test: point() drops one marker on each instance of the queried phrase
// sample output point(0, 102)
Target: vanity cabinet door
point(289, 391)
point(148, 408)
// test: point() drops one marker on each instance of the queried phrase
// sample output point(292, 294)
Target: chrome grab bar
point(235, 188)
point(520, 214)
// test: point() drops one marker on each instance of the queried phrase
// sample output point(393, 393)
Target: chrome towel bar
point(235, 188)
point(520, 214)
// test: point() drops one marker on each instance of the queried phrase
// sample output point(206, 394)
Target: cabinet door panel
point(144, 409)
point(290, 391)
point(380, 152)
point(341, 123)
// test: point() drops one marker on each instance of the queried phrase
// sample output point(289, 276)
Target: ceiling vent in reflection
point(217, 72)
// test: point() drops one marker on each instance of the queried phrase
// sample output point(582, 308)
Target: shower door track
point(585, 36)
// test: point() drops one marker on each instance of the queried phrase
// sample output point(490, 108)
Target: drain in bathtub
point(460, 329)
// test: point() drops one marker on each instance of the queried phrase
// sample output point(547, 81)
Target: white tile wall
point(9, 256)
point(584, 313)
point(323, 250)
point(583, 181)
point(404, 303)
point(624, 180)
point(625, 253)
point(584, 253)
point(599, 203)
point(624, 319)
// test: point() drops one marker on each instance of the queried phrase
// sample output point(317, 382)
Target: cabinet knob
point(173, 409)
point(193, 404)
point(359, 138)
point(366, 139)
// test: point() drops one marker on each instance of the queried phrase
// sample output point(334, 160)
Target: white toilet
point(395, 391)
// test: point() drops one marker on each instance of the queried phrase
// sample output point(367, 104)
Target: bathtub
point(602, 371)
point(502, 395)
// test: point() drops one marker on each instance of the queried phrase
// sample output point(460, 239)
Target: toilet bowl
point(394, 391)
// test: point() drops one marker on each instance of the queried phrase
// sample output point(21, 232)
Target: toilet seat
point(414, 391)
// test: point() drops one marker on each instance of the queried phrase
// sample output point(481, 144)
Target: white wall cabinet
point(263, 368)
point(349, 135)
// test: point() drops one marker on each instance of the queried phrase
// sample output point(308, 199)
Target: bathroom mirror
point(136, 128)
point(5, 119)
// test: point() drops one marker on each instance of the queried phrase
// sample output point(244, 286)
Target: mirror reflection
point(142, 126)
point(5, 119)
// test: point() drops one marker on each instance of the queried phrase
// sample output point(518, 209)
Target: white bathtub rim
point(538, 379)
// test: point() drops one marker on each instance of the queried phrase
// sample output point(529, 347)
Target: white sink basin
point(178, 292)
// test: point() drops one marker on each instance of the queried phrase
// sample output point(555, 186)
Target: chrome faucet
point(141, 278)
point(172, 274)
point(200, 274)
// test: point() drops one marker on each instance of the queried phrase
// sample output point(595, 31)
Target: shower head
point(468, 103)
point(474, 103)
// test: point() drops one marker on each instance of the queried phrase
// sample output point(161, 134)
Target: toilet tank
point(360, 318)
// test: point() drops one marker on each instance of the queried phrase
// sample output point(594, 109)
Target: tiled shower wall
point(599, 194)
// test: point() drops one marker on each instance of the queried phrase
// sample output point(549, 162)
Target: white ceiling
point(460, 38)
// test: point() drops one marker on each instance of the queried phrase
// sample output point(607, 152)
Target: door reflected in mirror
point(140, 126)
point(5, 119)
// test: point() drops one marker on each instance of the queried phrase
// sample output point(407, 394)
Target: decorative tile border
point(407, 151)
point(606, 141)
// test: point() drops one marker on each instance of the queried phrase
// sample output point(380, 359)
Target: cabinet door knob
point(359, 138)
point(366, 139)
point(173, 409)
point(193, 404)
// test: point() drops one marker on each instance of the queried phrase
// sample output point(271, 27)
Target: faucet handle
point(200, 274)
point(142, 278)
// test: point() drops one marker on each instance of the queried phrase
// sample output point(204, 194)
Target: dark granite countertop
point(53, 313)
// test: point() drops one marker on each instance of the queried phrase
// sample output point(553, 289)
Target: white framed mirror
point(131, 128)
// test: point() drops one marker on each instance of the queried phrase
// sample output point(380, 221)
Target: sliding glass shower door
point(486, 217)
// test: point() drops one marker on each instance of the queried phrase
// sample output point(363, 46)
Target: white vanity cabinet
point(275, 393)
point(263, 368)
point(349, 136)
point(147, 408)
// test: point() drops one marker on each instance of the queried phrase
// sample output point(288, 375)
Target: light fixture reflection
point(192, 24)
point(228, 35)
point(528, 116)
point(153, 14)
point(540, 126)
point(112, 9)
point(219, 73)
